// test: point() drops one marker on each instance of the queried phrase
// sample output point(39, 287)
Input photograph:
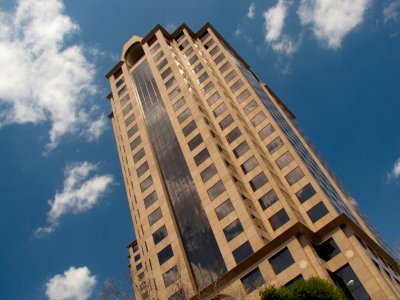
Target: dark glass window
point(279, 219)
point(208, 173)
point(155, 48)
point(178, 104)
point(250, 107)
point(317, 212)
point(193, 59)
point(214, 97)
point(275, 145)
point(135, 248)
point(139, 266)
point(122, 90)
point(237, 85)
point(194, 142)
point(124, 99)
point(327, 250)
point(138, 156)
point(169, 83)
point(219, 110)
point(183, 45)
point(137, 257)
point(228, 120)
point(216, 190)
point(204, 36)
point(243, 96)
point(290, 283)
point(119, 82)
point(233, 230)
point(129, 120)
point(188, 52)
point(184, 115)
point(166, 73)
point(284, 160)
point(145, 184)
point(258, 181)
point(249, 164)
point(209, 43)
point(174, 92)
point(268, 199)
point(165, 254)
point(201, 157)
point(150, 199)
point(214, 50)
point(171, 276)
point(224, 67)
point(155, 216)
point(252, 280)
point(158, 56)
point(179, 37)
point(230, 76)
point(160, 234)
point(203, 77)
point(162, 64)
point(117, 73)
point(136, 142)
point(224, 209)
point(189, 128)
point(219, 58)
point(242, 252)
point(241, 149)
point(258, 118)
point(266, 131)
point(127, 109)
point(233, 135)
point(305, 193)
point(141, 276)
point(281, 261)
point(132, 131)
point(198, 68)
point(142, 169)
point(294, 176)
point(179, 295)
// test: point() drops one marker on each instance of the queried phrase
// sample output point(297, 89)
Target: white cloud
point(170, 27)
point(395, 173)
point(252, 10)
point(391, 12)
point(80, 193)
point(238, 32)
point(332, 20)
point(44, 77)
point(74, 284)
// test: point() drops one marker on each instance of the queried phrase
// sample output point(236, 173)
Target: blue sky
point(64, 217)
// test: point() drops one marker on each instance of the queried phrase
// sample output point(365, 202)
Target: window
point(242, 252)
point(233, 135)
point(155, 48)
point(129, 120)
point(201, 157)
point(284, 160)
point(203, 77)
point(290, 283)
point(281, 261)
point(219, 58)
point(165, 254)
point(198, 68)
point(120, 82)
point(204, 36)
point(138, 155)
point(228, 120)
point(124, 100)
point(243, 96)
point(155, 216)
point(258, 181)
point(249, 164)
point(132, 131)
point(317, 212)
point(193, 59)
point(145, 184)
point(266, 131)
point(233, 230)
point(268, 199)
point(214, 50)
point(241, 149)
point(160, 234)
point(188, 52)
point(250, 107)
point(209, 43)
point(279, 219)
point(169, 83)
point(327, 250)
point(139, 266)
point(237, 85)
point(162, 64)
point(142, 169)
point(183, 45)
point(166, 73)
point(214, 97)
point(158, 56)
point(184, 115)
point(294, 176)
point(224, 209)
point(179, 37)
point(208, 173)
point(189, 128)
point(252, 280)
point(208, 87)
point(171, 276)
point(258, 119)
point(275, 145)
point(137, 257)
point(178, 104)
point(150, 199)
point(136, 142)
point(179, 295)
point(219, 110)
point(224, 67)
point(305, 193)
point(127, 109)
point(216, 190)
point(196, 141)
point(230, 76)
point(174, 92)
point(122, 90)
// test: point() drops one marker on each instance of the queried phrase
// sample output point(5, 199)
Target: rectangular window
point(214, 50)
point(120, 82)
point(174, 92)
point(268, 199)
point(327, 250)
point(136, 142)
point(284, 160)
point(189, 128)
point(249, 165)
point(184, 115)
point(171, 276)
point(145, 184)
point(165, 254)
point(252, 280)
point(124, 100)
point(305, 193)
point(127, 109)
point(281, 261)
point(224, 209)
point(169, 83)
point(266, 131)
point(121, 91)
point(179, 37)
point(166, 73)
point(178, 104)
point(209, 44)
point(155, 216)
point(228, 120)
point(294, 176)
point(219, 58)
point(290, 283)
point(193, 59)
point(160, 234)
point(233, 135)
point(158, 56)
point(201, 157)
point(237, 85)
point(241, 149)
point(188, 52)
point(139, 266)
point(132, 131)
point(129, 120)
point(219, 110)
point(208, 87)
point(242, 252)
point(204, 36)
point(250, 107)
point(258, 119)
point(137, 257)
point(208, 173)
point(198, 68)
point(258, 181)
point(162, 64)
point(233, 230)
point(142, 169)
point(216, 190)
point(196, 141)
point(213, 98)
point(317, 212)
point(230, 76)
point(138, 155)
point(150, 199)
point(224, 67)
point(183, 45)
point(243, 96)
point(275, 145)
point(279, 219)
point(155, 48)
point(203, 77)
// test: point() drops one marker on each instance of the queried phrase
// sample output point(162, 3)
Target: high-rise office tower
point(225, 192)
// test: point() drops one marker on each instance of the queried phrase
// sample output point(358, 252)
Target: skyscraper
point(226, 194)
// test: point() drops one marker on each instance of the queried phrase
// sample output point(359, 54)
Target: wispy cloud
point(395, 172)
point(44, 76)
point(252, 11)
point(80, 193)
point(170, 27)
point(332, 20)
point(391, 12)
point(74, 284)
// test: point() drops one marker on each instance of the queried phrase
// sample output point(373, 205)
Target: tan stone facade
point(226, 195)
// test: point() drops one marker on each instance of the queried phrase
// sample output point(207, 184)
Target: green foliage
point(311, 289)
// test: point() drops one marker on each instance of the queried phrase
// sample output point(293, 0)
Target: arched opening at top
point(134, 54)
